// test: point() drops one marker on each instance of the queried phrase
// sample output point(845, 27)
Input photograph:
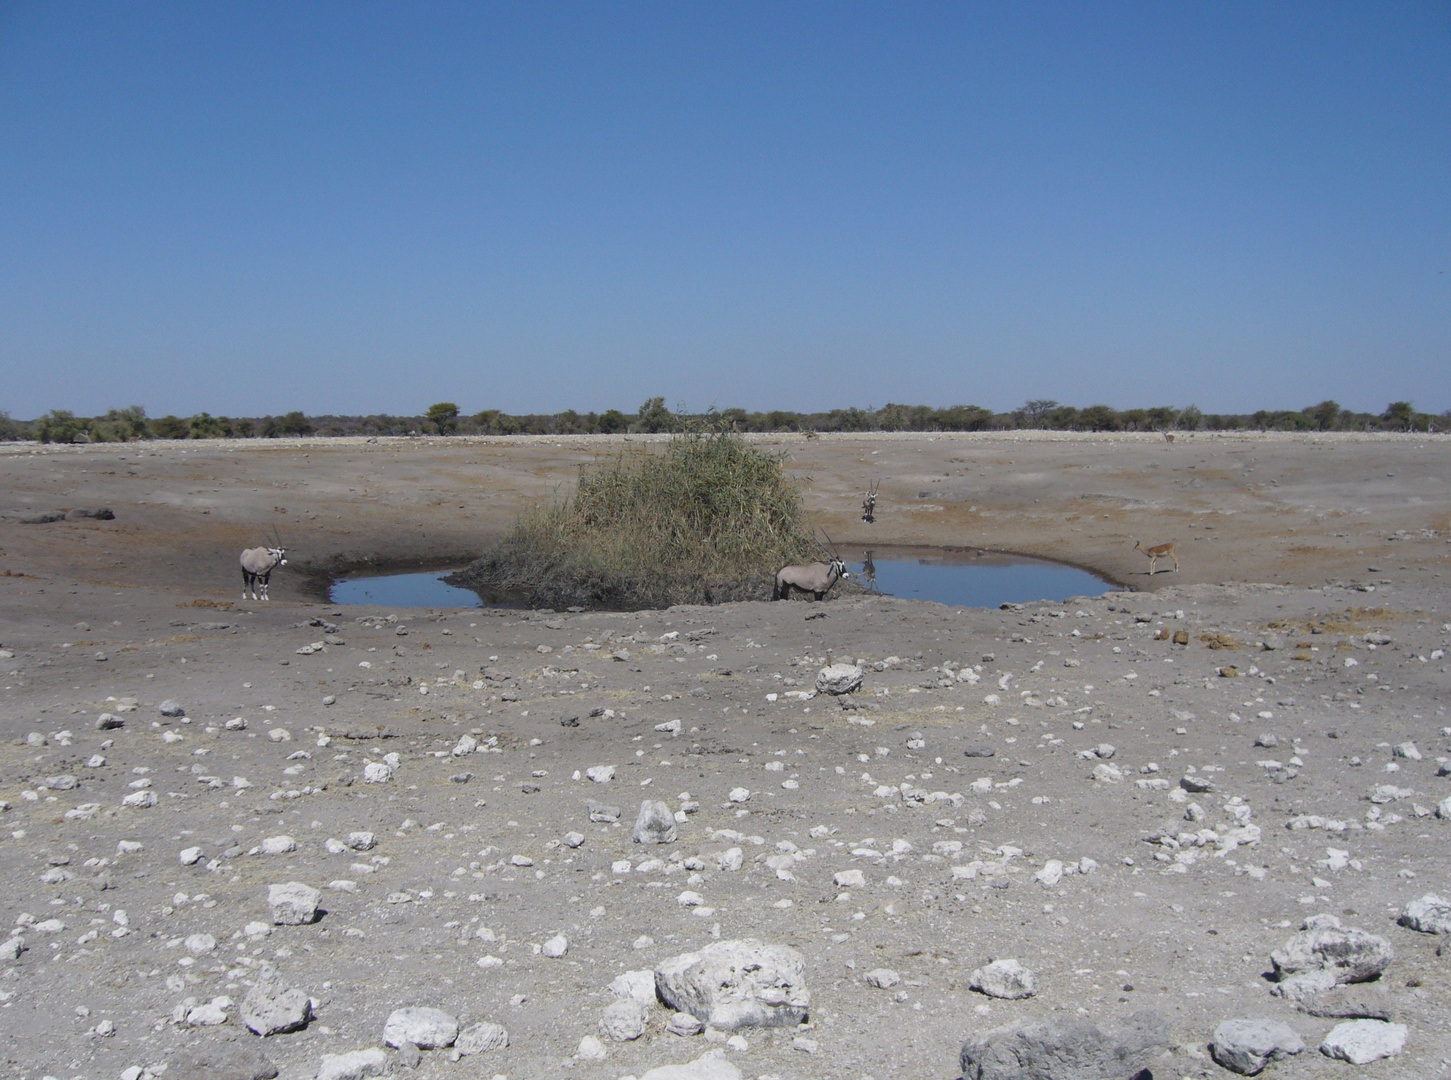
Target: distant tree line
point(445, 418)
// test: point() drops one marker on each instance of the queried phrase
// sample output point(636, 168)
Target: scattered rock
point(838, 679)
point(705, 1067)
point(481, 1038)
point(424, 1027)
point(555, 947)
point(224, 1061)
point(293, 903)
point(602, 813)
point(1323, 947)
point(1361, 1001)
point(737, 983)
point(882, 978)
point(1004, 979)
point(170, 708)
point(1077, 1050)
point(272, 1007)
point(1363, 1041)
point(636, 986)
point(1247, 1046)
point(354, 1065)
point(591, 1049)
point(655, 824)
point(623, 1021)
point(1430, 915)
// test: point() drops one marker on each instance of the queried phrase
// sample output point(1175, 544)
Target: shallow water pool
point(944, 577)
point(972, 581)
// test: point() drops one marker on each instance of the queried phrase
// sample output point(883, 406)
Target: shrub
point(708, 519)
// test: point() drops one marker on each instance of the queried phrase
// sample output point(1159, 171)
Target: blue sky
point(355, 207)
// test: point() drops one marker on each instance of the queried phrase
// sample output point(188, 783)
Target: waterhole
point(955, 578)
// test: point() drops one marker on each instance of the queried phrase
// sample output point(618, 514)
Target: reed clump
point(706, 520)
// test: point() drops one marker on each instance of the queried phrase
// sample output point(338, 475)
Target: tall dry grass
point(706, 520)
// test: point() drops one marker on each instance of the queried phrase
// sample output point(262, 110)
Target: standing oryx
point(816, 578)
point(257, 566)
point(869, 503)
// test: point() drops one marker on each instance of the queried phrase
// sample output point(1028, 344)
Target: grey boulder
point(272, 1007)
point(839, 679)
point(705, 1067)
point(481, 1038)
point(1247, 1046)
point(425, 1028)
point(225, 1061)
point(737, 983)
point(1050, 1050)
point(1323, 947)
point(1004, 979)
point(655, 824)
point(1430, 915)
point(354, 1065)
point(1362, 1041)
point(293, 903)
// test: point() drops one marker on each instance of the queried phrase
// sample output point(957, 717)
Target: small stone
point(1006, 979)
point(278, 845)
point(1247, 1046)
point(361, 841)
point(601, 813)
point(409, 1056)
point(11, 948)
point(591, 1049)
point(623, 1020)
point(655, 824)
point(424, 1027)
point(683, 1024)
point(108, 722)
point(200, 944)
point(637, 986)
point(377, 772)
point(170, 708)
point(293, 903)
point(481, 1039)
point(278, 734)
point(208, 1015)
point(555, 947)
point(849, 879)
point(573, 839)
point(1363, 1041)
point(601, 774)
point(1360, 1001)
point(740, 795)
point(190, 856)
point(1051, 874)
point(882, 978)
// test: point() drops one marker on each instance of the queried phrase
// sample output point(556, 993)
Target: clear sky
point(249, 208)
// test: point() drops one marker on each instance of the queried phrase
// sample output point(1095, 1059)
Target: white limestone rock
point(737, 983)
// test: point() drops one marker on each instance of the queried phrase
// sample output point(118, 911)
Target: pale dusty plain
point(1306, 544)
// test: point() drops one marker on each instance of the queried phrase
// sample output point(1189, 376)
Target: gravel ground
point(1138, 822)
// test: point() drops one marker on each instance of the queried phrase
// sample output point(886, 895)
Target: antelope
point(1169, 438)
point(869, 503)
point(1157, 552)
point(257, 566)
point(816, 578)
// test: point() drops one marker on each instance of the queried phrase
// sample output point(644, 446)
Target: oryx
point(815, 578)
point(869, 503)
point(257, 566)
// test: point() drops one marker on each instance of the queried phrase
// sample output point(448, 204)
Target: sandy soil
point(1332, 551)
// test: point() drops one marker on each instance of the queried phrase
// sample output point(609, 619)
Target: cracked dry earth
point(1137, 821)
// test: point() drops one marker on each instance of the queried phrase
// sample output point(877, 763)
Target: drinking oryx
point(257, 566)
point(816, 578)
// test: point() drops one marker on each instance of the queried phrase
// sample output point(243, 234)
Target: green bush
point(706, 520)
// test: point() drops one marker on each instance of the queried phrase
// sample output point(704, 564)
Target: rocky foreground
point(1199, 830)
